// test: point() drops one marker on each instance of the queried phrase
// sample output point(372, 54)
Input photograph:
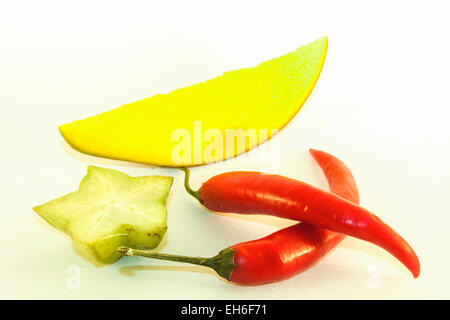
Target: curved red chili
point(247, 192)
point(283, 253)
point(296, 248)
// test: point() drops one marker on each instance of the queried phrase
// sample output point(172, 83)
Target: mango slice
point(111, 209)
point(208, 121)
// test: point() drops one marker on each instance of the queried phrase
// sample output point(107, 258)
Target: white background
point(381, 105)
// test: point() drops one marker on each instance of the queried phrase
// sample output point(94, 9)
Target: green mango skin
point(111, 209)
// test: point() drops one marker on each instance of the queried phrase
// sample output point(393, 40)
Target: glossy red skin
point(296, 248)
point(258, 193)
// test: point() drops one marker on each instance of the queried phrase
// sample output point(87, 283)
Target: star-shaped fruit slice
point(111, 209)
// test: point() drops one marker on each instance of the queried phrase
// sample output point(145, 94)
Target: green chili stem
point(194, 193)
point(161, 256)
point(222, 263)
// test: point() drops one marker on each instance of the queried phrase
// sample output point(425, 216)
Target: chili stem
point(194, 193)
point(161, 256)
point(222, 263)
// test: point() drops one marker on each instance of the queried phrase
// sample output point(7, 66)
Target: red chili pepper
point(257, 193)
point(296, 248)
point(283, 253)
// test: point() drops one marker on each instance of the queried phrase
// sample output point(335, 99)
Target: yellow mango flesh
point(196, 123)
